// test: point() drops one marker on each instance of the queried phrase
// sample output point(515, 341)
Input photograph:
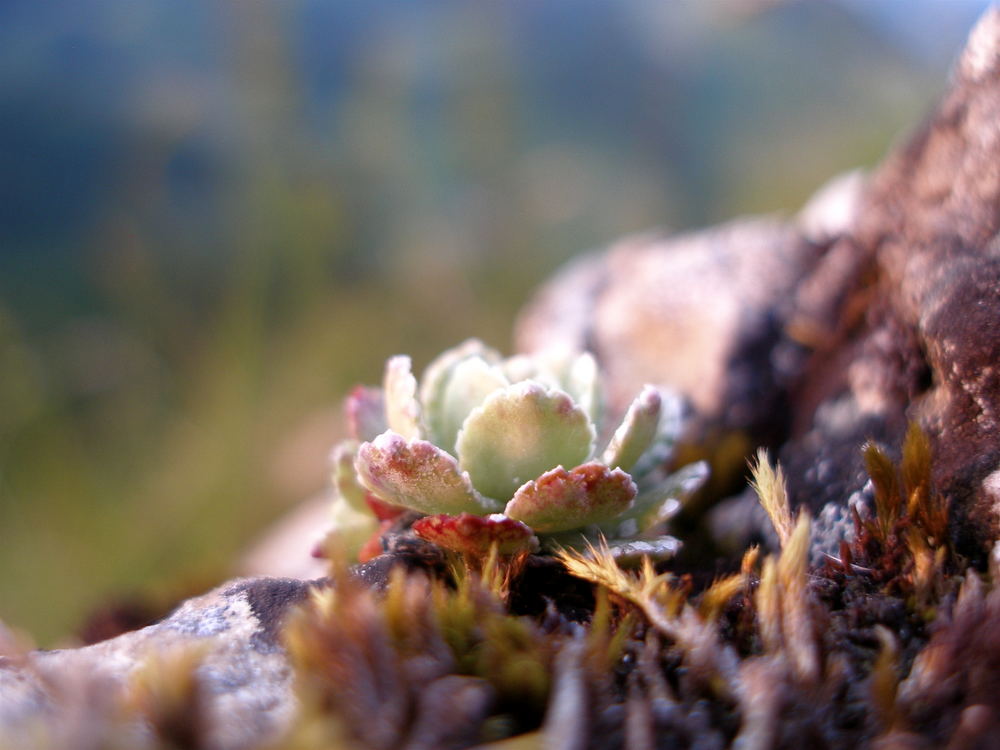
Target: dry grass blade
point(915, 466)
point(749, 561)
point(885, 677)
point(793, 565)
point(657, 602)
point(167, 693)
point(598, 565)
point(769, 484)
point(798, 629)
point(783, 607)
point(768, 601)
point(927, 508)
point(886, 483)
point(718, 595)
point(665, 608)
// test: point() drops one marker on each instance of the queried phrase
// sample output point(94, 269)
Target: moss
point(893, 643)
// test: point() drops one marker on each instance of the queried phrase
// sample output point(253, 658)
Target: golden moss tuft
point(905, 545)
point(415, 649)
point(769, 484)
point(893, 643)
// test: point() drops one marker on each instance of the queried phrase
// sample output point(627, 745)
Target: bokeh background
point(215, 217)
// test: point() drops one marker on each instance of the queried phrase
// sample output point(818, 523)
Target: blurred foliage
point(215, 217)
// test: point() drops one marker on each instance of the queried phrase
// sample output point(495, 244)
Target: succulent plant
point(481, 446)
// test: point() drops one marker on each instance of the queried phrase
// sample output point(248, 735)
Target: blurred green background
point(215, 217)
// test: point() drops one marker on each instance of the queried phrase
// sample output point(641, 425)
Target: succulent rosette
point(481, 446)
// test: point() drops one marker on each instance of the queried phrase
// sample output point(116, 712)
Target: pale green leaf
point(417, 475)
point(435, 379)
point(668, 430)
point(637, 431)
point(630, 553)
point(471, 382)
point(583, 383)
point(660, 500)
point(345, 479)
point(519, 432)
point(351, 528)
point(365, 410)
point(522, 367)
point(402, 410)
point(562, 369)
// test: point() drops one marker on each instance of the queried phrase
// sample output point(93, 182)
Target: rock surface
point(925, 341)
point(59, 698)
point(697, 312)
point(932, 219)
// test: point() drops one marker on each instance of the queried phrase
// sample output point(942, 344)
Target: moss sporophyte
point(506, 452)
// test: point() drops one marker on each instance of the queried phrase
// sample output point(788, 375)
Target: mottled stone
point(923, 338)
point(49, 697)
point(696, 312)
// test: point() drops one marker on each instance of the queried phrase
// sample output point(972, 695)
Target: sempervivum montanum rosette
point(481, 447)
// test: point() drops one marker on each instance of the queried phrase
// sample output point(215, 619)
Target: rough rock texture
point(708, 313)
point(892, 288)
point(922, 340)
point(72, 697)
point(47, 696)
point(696, 312)
point(932, 218)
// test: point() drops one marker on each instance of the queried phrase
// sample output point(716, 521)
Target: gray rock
point(68, 697)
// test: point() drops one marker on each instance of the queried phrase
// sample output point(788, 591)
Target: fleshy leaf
point(373, 547)
point(351, 528)
point(365, 409)
point(560, 500)
point(582, 382)
point(382, 510)
point(630, 553)
point(637, 431)
point(660, 501)
point(473, 535)
point(472, 381)
point(437, 376)
point(667, 431)
point(519, 432)
point(562, 369)
point(521, 367)
point(402, 410)
point(417, 475)
point(345, 480)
